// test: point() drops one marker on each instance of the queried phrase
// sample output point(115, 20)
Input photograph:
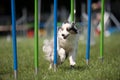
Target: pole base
point(15, 74)
point(87, 61)
point(55, 67)
point(101, 58)
point(36, 71)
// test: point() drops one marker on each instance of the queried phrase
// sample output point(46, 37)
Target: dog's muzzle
point(65, 36)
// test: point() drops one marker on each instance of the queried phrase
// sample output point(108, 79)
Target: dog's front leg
point(72, 56)
point(61, 53)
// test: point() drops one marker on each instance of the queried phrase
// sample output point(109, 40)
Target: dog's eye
point(68, 29)
point(62, 29)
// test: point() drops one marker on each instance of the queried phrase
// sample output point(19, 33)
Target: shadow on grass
point(78, 68)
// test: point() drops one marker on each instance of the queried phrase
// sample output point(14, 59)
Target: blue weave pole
point(14, 37)
point(55, 34)
point(89, 32)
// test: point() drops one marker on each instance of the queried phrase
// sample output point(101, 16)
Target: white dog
point(67, 38)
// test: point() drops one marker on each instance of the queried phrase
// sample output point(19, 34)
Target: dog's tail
point(48, 49)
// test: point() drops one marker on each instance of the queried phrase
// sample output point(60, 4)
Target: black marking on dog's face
point(73, 29)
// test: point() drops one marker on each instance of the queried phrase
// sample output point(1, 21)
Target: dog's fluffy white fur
point(67, 43)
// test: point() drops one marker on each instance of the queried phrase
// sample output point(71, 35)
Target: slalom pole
point(102, 31)
point(14, 38)
point(72, 11)
point(55, 34)
point(39, 11)
point(89, 32)
point(36, 35)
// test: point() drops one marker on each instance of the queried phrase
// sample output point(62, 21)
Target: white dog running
point(67, 39)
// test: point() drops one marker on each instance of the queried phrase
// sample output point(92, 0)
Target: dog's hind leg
point(51, 65)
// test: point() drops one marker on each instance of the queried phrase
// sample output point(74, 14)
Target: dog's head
point(67, 29)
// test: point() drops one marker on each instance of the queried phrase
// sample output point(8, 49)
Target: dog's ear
point(73, 24)
point(59, 28)
point(74, 28)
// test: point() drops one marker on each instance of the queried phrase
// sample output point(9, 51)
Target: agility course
point(55, 33)
point(95, 70)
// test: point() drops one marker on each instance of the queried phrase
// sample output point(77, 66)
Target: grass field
point(96, 70)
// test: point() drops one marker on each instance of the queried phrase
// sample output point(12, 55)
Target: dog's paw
point(72, 66)
point(51, 66)
point(72, 62)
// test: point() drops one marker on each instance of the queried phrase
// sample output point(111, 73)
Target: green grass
point(96, 70)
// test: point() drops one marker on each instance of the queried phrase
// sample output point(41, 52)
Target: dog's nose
point(63, 35)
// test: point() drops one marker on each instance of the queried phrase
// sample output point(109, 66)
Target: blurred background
point(25, 16)
point(108, 70)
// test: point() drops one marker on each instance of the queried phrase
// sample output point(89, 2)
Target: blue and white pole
point(14, 38)
point(89, 32)
point(55, 34)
